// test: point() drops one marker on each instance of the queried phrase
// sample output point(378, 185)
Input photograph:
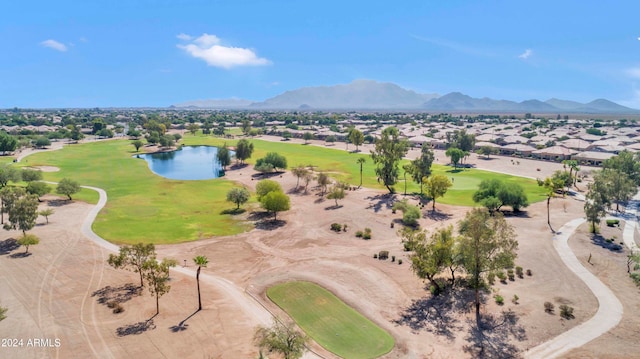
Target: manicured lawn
point(330, 322)
point(342, 165)
point(141, 205)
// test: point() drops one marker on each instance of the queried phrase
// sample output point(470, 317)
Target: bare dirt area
point(61, 289)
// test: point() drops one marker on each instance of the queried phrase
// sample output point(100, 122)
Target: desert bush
point(499, 299)
point(393, 258)
point(112, 304)
point(549, 307)
point(344, 227)
point(502, 277)
point(118, 309)
point(519, 272)
point(367, 233)
point(613, 222)
point(566, 311)
point(529, 272)
point(410, 216)
point(515, 299)
point(399, 261)
point(511, 275)
point(491, 278)
point(375, 256)
point(336, 227)
point(383, 255)
point(635, 276)
point(359, 234)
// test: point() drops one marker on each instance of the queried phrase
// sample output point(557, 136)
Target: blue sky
point(156, 53)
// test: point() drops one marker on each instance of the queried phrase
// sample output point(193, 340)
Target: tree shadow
point(269, 225)
point(438, 314)
point(494, 337)
point(333, 207)
point(136, 328)
point(238, 166)
point(266, 175)
point(518, 214)
point(233, 211)
point(378, 202)
point(436, 216)
point(611, 245)
point(8, 245)
point(319, 200)
point(58, 202)
point(119, 294)
point(182, 326)
point(21, 255)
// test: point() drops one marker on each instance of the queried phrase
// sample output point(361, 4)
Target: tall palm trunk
point(198, 282)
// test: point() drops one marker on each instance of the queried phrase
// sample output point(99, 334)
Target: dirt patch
point(46, 168)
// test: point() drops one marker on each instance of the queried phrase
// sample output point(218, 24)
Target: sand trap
point(45, 168)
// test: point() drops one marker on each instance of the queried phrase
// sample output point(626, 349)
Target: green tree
point(274, 159)
point(299, 172)
point(307, 136)
point(462, 140)
point(137, 144)
point(265, 186)
point(67, 187)
point(28, 240)
point(8, 143)
point(23, 213)
point(200, 261)
point(487, 243)
point(323, 182)
point(275, 202)
point(133, 258)
point(74, 133)
point(167, 141)
point(244, 150)
point(597, 200)
point(29, 175)
point(46, 213)
point(246, 127)
point(431, 256)
point(437, 186)
point(337, 192)
point(42, 142)
point(455, 154)
point(224, 156)
point(281, 338)
point(389, 150)
point(193, 128)
point(406, 168)
point(238, 195)
point(625, 162)
point(421, 166)
point(487, 151)
point(8, 173)
point(410, 214)
point(494, 193)
point(9, 196)
point(356, 137)
point(38, 188)
point(620, 188)
point(157, 275)
point(361, 161)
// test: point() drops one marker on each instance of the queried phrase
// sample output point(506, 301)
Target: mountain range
point(373, 95)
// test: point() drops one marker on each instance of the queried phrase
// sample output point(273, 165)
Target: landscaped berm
point(330, 322)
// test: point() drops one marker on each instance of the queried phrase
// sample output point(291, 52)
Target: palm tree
point(200, 261)
point(406, 168)
point(361, 161)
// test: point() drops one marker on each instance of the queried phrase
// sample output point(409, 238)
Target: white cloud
point(526, 54)
point(53, 44)
point(208, 48)
point(634, 72)
point(184, 37)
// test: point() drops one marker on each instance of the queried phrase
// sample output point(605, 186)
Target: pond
point(187, 163)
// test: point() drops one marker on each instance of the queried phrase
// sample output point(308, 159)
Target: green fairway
point(141, 205)
point(330, 322)
point(342, 165)
point(146, 207)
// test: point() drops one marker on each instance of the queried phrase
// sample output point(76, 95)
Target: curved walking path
point(609, 311)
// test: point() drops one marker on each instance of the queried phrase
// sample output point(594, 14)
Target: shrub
point(491, 278)
point(367, 230)
point(383, 255)
point(549, 307)
point(502, 277)
point(359, 234)
point(635, 276)
point(515, 299)
point(118, 309)
point(410, 216)
point(112, 304)
point(529, 272)
point(499, 299)
point(566, 312)
point(336, 227)
point(613, 222)
point(399, 261)
point(344, 227)
point(375, 256)
point(511, 275)
point(519, 272)
point(393, 258)
point(366, 236)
